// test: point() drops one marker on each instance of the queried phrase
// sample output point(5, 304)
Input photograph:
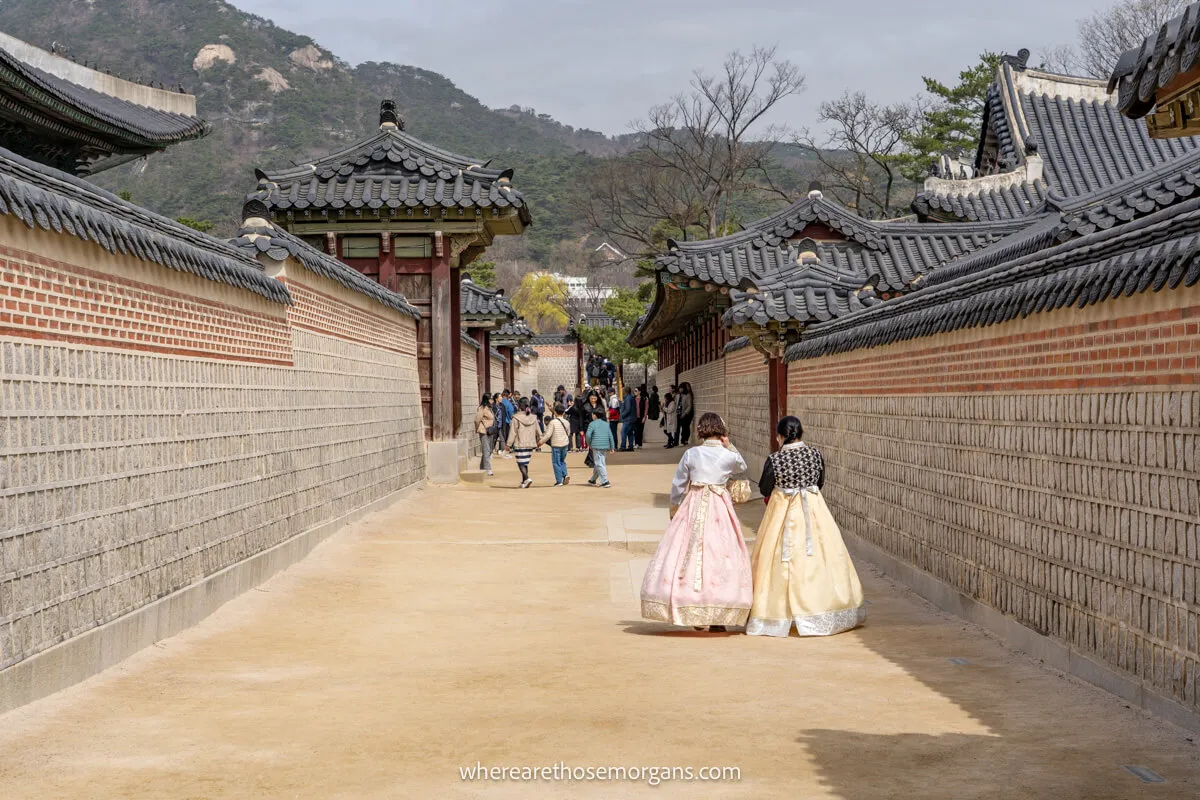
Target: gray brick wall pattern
point(126, 476)
point(1076, 514)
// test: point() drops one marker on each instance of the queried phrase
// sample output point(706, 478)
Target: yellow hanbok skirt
point(803, 574)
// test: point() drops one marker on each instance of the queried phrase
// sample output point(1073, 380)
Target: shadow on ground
point(1029, 732)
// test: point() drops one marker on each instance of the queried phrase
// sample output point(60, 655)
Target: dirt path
point(485, 625)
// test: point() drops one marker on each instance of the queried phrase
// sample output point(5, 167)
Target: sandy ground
point(481, 624)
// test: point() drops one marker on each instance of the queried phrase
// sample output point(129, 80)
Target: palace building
point(411, 216)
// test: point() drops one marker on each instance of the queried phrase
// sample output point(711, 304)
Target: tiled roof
point(469, 341)
point(513, 328)
point(815, 293)
point(1154, 252)
point(525, 351)
point(1162, 186)
point(395, 170)
point(1057, 137)
point(110, 115)
point(553, 338)
point(1000, 203)
point(263, 237)
point(477, 301)
point(1142, 71)
point(46, 198)
point(892, 253)
point(739, 343)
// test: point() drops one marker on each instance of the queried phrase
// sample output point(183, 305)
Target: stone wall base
point(98, 649)
point(1016, 636)
point(444, 460)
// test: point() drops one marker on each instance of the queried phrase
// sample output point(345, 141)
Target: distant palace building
point(411, 216)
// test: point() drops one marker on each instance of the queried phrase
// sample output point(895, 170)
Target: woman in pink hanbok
point(700, 574)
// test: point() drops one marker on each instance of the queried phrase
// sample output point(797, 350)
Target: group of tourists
point(799, 573)
point(702, 575)
point(516, 426)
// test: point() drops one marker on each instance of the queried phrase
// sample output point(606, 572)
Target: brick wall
point(664, 378)
point(747, 413)
point(156, 428)
point(708, 385)
point(498, 381)
point(527, 375)
point(1047, 468)
point(558, 364)
point(470, 397)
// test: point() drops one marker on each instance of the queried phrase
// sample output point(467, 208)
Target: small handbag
point(740, 491)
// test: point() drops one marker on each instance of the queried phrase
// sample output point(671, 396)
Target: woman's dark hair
point(595, 394)
point(685, 388)
point(523, 404)
point(597, 414)
point(668, 397)
point(790, 429)
point(711, 426)
point(560, 409)
point(487, 400)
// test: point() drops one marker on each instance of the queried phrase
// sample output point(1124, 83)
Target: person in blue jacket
point(600, 444)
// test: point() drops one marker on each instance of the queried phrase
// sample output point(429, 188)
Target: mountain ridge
point(275, 98)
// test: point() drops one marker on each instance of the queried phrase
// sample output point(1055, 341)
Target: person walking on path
point(523, 438)
point(803, 574)
point(510, 411)
point(687, 412)
point(643, 405)
point(700, 574)
point(614, 415)
point(498, 410)
point(600, 443)
point(655, 408)
point(485, 426)
point(629, 409)
point(670, 420)
point(558, 436)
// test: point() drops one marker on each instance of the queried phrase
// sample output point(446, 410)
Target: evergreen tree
point(951, 122)
point(483, 273)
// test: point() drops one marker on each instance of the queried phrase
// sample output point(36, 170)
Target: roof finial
point(388, 118)
point(1020, 61)
point(814, 190)
point(255, 204)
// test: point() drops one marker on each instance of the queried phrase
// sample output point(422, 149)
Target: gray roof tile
point(1142, 71)
point(478, 302)
point(1147, 254)
point(279, 244)
point(395, 170)
point(46, 198)
point(118, 118)
point(1084, 143)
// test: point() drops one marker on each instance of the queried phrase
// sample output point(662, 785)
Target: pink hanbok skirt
point(700, 574)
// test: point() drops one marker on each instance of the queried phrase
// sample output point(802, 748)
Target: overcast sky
point(601, 63)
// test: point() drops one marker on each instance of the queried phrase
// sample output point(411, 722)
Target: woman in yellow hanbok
point(803, 575)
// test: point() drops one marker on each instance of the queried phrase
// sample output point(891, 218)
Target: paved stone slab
point(481, 624)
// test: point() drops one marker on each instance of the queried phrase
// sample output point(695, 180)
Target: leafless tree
point(860, 152)
point(1106, 34)
point(700, 150)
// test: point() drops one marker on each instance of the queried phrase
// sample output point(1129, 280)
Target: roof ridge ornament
point(388, 117)
point(1018, 62)
point(254, 206)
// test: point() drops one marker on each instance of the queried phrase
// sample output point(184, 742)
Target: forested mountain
point(275, 97)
